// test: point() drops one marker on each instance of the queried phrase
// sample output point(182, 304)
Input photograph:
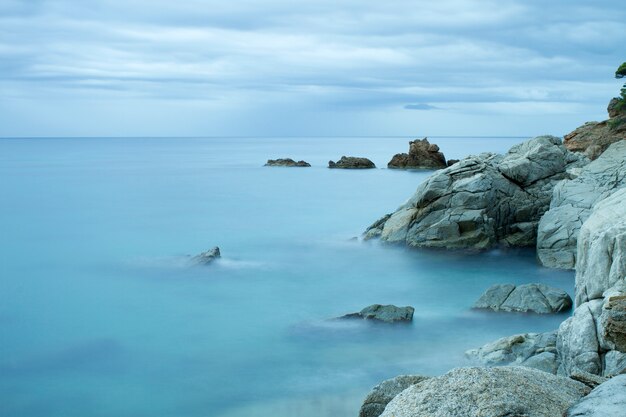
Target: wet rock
point(381, 394)
point(208, 257)
point(536, 298)
point(533, 350)
point(352, 162)
point(572, 204)
point(452, 161)
point(422, 155)
point(483, 200)
point(608, 399)
point(499, 391)
point(385, 313)
point(286, 162)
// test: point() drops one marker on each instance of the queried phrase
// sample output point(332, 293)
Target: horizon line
point(268, 137)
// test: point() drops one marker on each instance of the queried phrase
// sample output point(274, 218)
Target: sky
point(306, 68)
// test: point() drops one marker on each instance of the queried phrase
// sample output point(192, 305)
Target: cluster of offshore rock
point(570, 202)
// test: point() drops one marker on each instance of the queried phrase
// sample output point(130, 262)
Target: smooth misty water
point(101, 316)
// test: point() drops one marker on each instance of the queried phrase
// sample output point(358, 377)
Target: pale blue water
point(100, 316)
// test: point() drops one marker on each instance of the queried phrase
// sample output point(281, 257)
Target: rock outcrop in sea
point(352, 162)
point(378, 398)
point(572, 203)
point(536, 298)
point(286, 162)
point(499, 391)
point(385, 313)
point(208, 257)
point(483, 200)
point(422, 155)
point(593, 138)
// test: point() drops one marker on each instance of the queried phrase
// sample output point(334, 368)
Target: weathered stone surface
point(536, 298)
point(385, 313)
point(207, 257)
point(451, 162)
point(422, 155)
point(578, 345)
point(613, 322)
point(286, 162)
point(571, 205)
point(614, 363)
point(593, 138)
point(602, 246)
point(482, 200)
point(608, 399)
point(489, 392)
point(352, 162)
point(381, 394)
point(534, 350)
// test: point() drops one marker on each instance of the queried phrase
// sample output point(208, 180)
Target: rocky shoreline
point(566, 199)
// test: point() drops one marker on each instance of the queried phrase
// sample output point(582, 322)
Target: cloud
point(420, 106)
point(241, 58)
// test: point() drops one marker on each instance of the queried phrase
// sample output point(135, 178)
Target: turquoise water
point(100, 315)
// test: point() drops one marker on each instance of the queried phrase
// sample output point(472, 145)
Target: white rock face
point(608, 399)
point(602, 248)
point(499, 391)
point(482, 200)
point(572, 203)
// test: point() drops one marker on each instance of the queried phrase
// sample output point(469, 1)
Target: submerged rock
point(286, 162)
point(205, 258)
point(378, 398)
point(608, 399)
point(499, 391)
point(536, 298)
point(483, 200)
point(385, 313)
point(572, 204)
point(422, 155)
point(352, 162)
point(533, 350)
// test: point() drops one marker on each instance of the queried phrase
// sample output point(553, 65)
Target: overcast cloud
point(279, 67)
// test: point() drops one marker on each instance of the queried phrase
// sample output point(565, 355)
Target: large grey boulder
point(572, 203)
point(422, 155)
point(378, 398)
point(385, 313)
point(482, 200)
point(208, 257)
point(601, 263)
point(489, 392)
point(352, 162)
point(536, 298)
point(534, 350)
point(578, 345)
point(608, 399)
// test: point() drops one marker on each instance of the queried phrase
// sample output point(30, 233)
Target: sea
point(103, 314)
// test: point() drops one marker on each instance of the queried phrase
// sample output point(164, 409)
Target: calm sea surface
point(100, 315)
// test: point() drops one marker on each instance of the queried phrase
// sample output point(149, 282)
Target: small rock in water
point(422, 155)
point(286, 162)
point(378, 398)
point(352, 162)
point(536, 298)
point(384, 313)
point(207, 257)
